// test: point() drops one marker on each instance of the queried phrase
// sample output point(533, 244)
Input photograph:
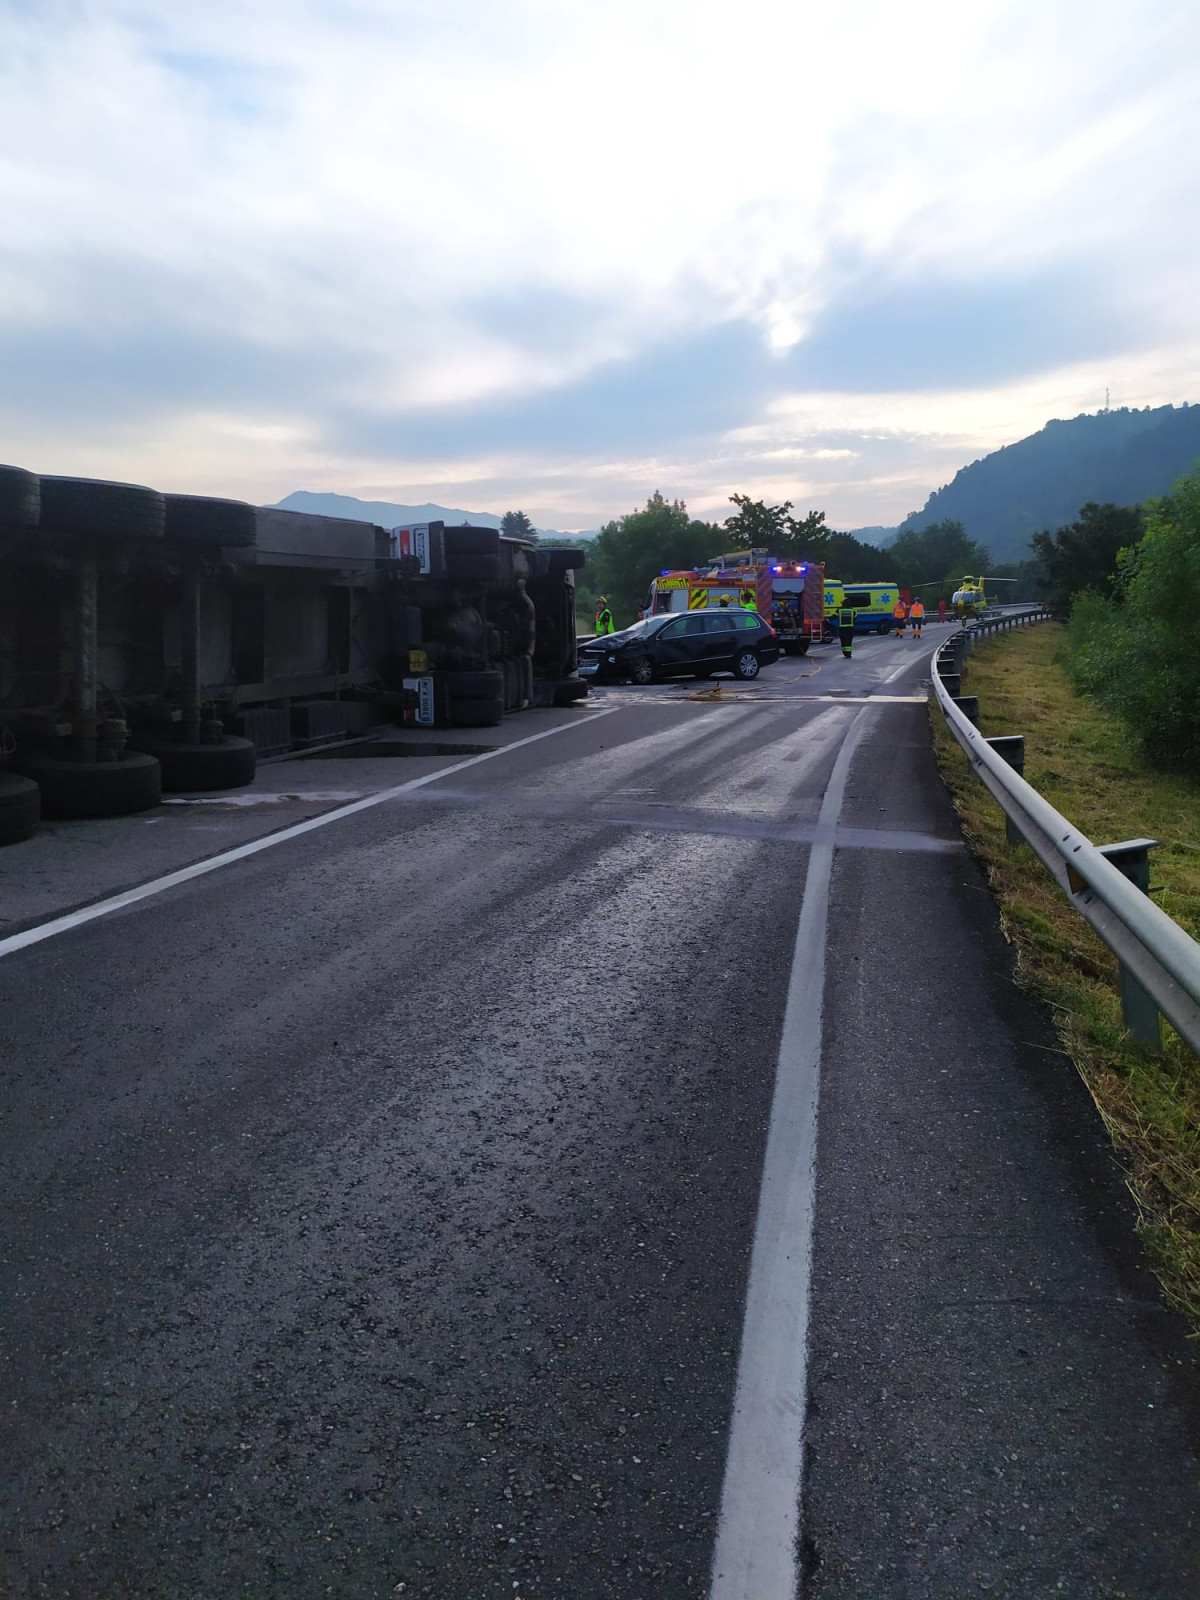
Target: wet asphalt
point(379, 1208)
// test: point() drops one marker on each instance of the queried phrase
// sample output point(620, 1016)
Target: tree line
point(1128, 577)
point(661, 537)
point(1131, 578)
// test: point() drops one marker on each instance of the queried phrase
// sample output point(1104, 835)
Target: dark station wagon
point(692, 645)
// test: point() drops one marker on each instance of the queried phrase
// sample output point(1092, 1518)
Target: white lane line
point(129, 897)
point(758, 1530)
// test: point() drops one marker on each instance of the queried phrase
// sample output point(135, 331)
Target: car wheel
point(94, 788)
point(883, 627)
point(642, 671)
point(189, 767)
point(746, 664)
point(20, 808)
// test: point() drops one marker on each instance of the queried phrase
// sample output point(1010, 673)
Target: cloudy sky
point(557, 254)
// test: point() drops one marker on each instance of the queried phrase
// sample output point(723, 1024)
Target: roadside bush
point(1141, 657)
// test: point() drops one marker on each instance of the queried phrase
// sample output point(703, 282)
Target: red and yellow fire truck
point(788, 595)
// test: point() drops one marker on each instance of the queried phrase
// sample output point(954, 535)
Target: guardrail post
point(968, 704)
point(1132, 858)
point(1012, 747)
point(951, 682)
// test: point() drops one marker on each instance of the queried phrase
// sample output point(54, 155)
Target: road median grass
point(1089, 768)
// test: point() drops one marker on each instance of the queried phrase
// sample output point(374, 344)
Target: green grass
point(1085, 763)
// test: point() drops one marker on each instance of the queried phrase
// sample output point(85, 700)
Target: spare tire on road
point(101, 510)
point(20, 807)
point(198, 519)
point(189, 767)
point(20, 498)
point(93, 788)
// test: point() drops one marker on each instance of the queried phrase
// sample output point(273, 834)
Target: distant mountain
point(1120, 456)
point(381, 512)
point(877, 535)
point(385, 514)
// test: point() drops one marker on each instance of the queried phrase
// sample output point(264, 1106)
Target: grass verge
point(1085, 763)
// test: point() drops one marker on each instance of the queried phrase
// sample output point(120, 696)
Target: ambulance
point(871, 603)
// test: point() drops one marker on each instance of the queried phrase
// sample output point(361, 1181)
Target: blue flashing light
point(776, 569)
point(665, 574)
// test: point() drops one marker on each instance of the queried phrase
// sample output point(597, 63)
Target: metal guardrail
point(1107, 884)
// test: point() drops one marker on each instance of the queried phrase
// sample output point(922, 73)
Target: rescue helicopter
point(970, 598)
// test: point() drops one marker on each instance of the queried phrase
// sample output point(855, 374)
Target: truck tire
point(470, 542)
point(101, 510)
point(883, 627)
point(569, 690)
point(190, 767)
point(471, 568)
point(20, 807)
point(194, 519)
point(20, 498)
point(93, 788)
point(474, 685)
point(476, 713)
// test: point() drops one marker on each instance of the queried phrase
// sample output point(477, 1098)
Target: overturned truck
point(481, 625)
point(154, 641)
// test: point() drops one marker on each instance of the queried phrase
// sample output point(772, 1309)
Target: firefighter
point(899, 617)
point(846, 630)
point(604, 618)
point(749, 601)
point(917, 617)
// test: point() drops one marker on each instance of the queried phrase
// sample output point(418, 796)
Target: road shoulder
point(999, 1401)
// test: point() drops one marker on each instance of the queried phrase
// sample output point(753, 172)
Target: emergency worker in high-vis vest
point(846, 630)
point(916, 616)
point(749, 601)
point(899, 617)
point(604, 617)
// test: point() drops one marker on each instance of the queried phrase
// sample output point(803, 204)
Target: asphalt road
point(381, 1206)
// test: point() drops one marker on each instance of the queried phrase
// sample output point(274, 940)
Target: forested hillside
point(1120, 457)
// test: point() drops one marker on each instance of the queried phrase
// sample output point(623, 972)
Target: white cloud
point(357, 180)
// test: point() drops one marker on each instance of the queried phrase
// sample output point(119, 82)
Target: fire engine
point(790, 595)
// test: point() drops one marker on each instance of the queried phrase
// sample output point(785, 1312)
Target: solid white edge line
point(143, 891)
point(758, 1530)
